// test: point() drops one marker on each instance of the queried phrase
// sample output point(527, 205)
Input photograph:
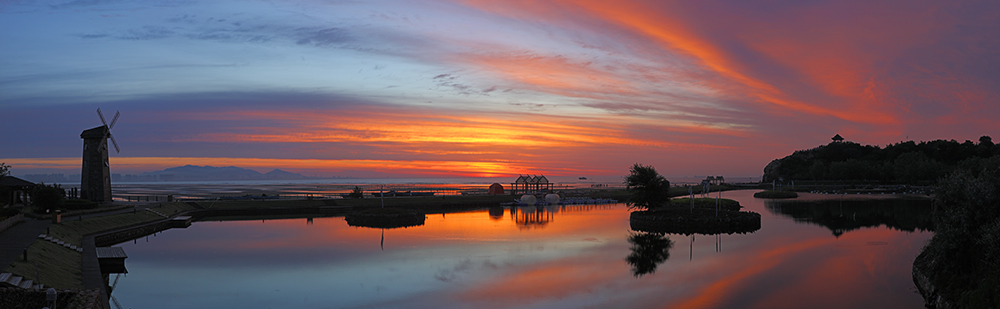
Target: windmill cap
point(98, 132)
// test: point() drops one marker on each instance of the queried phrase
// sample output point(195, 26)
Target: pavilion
point(530, 184)
point(18, 190)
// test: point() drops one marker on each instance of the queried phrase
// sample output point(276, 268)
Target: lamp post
point(50, 298)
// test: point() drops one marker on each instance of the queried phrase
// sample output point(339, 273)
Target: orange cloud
point(663, 23)
point(484, 131)
point(441, 168)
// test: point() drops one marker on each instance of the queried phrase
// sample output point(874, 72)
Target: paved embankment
point(14, 240)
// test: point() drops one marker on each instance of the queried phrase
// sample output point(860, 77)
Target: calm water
point(806, 254)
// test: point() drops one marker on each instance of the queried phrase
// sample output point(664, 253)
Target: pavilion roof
point(11, 181)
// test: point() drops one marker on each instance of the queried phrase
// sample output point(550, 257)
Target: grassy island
point(775, 194)
point(385, 218)
point(679, 217)
point(660, 214)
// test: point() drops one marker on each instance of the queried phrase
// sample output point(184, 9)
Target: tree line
point(905, 162)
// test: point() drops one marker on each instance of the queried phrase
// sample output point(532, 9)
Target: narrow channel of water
point(805, 255)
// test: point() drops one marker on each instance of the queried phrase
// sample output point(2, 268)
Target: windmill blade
point(99, 114)
point(113, 120)
point(113, 142)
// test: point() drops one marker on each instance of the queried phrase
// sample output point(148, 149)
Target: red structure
point(495, 189)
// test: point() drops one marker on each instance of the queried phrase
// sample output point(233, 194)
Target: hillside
point(194, 172)
point(905, 162)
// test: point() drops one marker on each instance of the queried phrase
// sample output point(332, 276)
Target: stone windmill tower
point(95, 179)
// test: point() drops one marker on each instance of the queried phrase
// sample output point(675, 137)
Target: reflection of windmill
point(95, 179)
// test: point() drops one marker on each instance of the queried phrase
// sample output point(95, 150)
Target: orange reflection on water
point(826, 271)
point(575, 255)
point(473, 226)
point(721, 288)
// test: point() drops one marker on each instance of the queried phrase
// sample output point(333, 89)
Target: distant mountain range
point(194, 172)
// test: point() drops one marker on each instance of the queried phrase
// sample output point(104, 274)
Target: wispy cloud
point(563, 86)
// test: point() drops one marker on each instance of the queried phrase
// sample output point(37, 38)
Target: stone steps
point(10, 280)
point(157, 212)
point(61, 243)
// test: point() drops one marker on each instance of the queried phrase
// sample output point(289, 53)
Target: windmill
point(95, 179)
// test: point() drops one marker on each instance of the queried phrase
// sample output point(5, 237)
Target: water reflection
point(648, 251)
point(899, 214)
point(528, 217)
point(496, 213)
point(580, 257)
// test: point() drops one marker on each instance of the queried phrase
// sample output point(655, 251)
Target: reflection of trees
point(842, 216)
point(529, 217)
point(648, 251)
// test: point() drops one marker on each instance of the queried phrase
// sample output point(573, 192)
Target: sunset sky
point(488, 88)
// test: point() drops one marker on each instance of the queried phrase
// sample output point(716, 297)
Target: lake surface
point(834, 254)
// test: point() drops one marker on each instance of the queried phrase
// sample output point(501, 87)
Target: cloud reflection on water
point(476, 259)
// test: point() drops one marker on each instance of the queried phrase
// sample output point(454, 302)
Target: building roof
point(11, 181)
point(98, 133)
point(521, 179)
point(111, 253)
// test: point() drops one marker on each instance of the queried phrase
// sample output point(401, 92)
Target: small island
point(386, 218)
point(659, 214)
point(775, 194)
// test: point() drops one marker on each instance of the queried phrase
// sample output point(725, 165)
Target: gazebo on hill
point(837, 138)
point(525, 184)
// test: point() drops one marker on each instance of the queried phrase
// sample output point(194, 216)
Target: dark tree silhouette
point(962, 259)
point(48, 197)
point(648, 251)
point(905, 162)
point(356, 193)
point(649, 189)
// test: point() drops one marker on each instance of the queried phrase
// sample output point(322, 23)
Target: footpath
point(14, 240)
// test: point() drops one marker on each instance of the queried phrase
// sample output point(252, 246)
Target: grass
point(73, 231)
point(58, 266)
point(706, 202)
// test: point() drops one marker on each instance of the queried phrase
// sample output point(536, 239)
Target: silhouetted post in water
point(691, 192)
point(691, 249)
point(718, 200)
point(841, 205)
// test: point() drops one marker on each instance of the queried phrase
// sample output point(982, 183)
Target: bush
point(961, 258)
point(356, 193)
point(8, 212)
point(48, 197)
